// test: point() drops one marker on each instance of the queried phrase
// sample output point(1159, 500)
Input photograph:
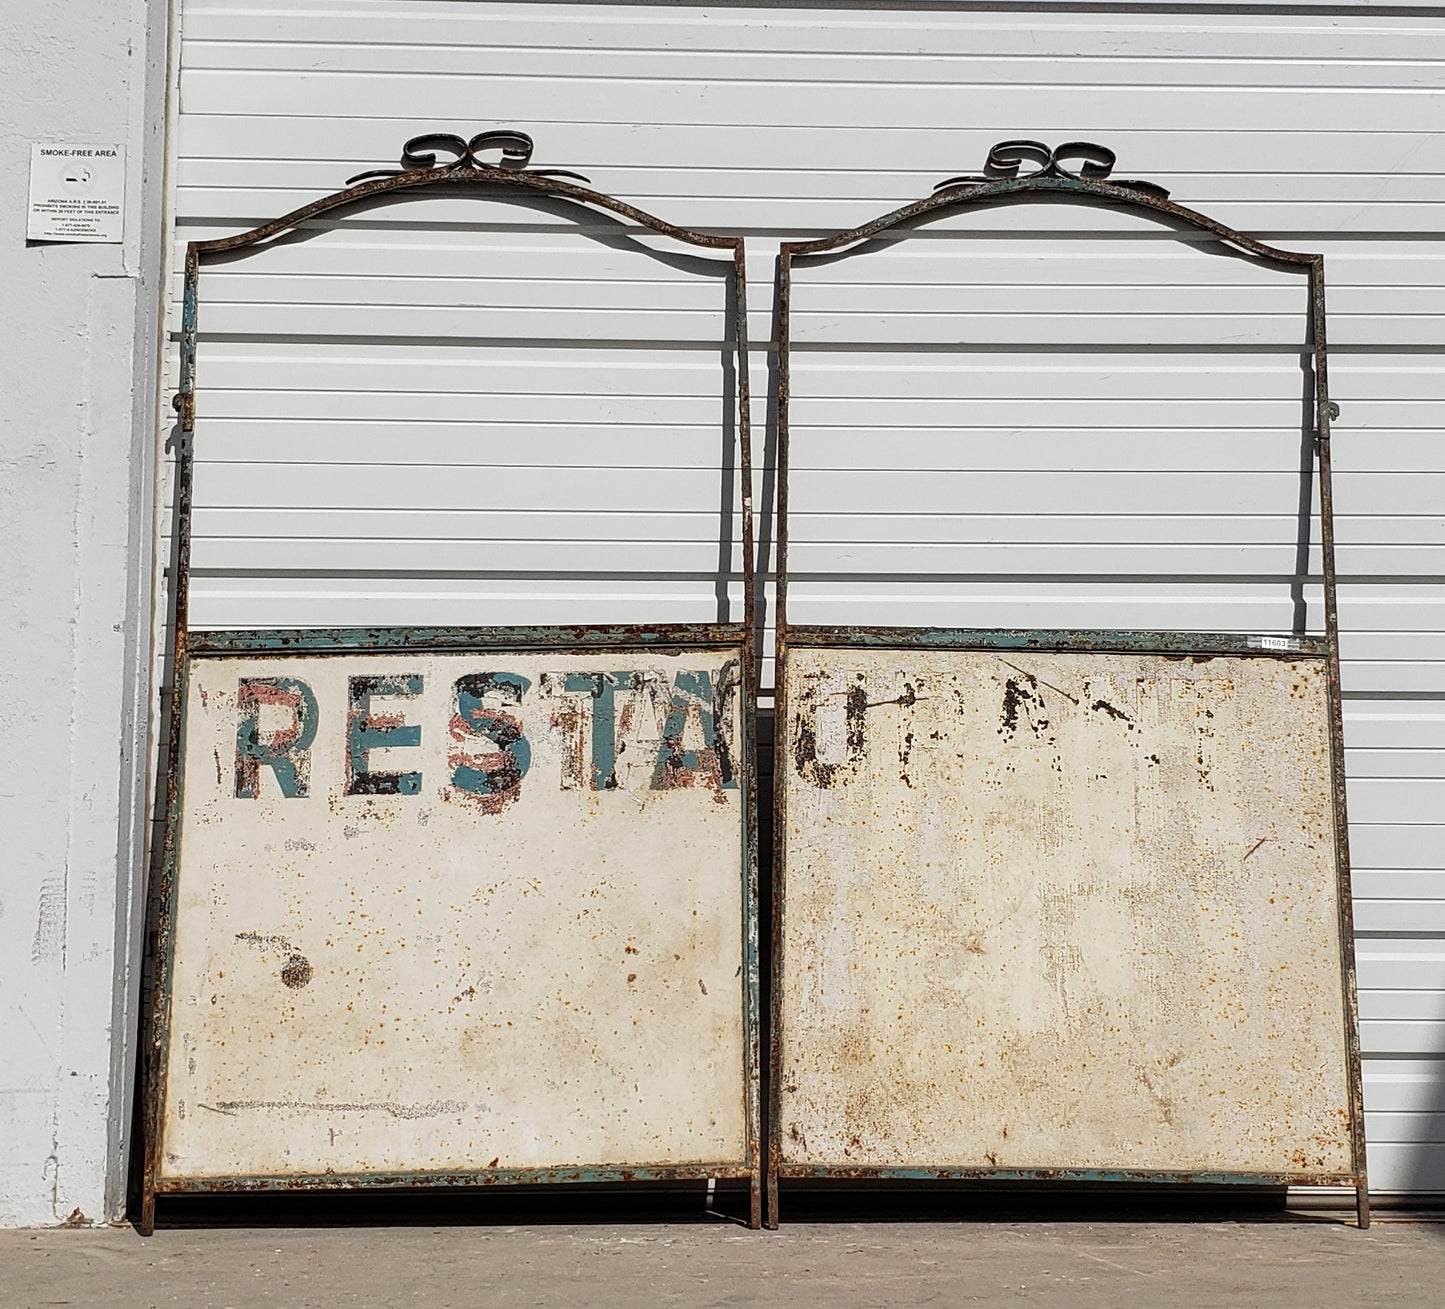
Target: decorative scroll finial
point(1087, 163)
point(514, 153)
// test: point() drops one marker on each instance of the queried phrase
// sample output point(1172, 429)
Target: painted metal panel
point(446, 912)
point(1061, 910)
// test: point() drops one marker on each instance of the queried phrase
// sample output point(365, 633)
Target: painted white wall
point(77, 431)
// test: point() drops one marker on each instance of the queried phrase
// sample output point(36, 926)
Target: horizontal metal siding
point(562, 431)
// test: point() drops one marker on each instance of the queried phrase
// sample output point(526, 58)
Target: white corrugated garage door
point(1121, 405)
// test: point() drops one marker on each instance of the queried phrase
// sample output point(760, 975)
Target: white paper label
point(77, 193)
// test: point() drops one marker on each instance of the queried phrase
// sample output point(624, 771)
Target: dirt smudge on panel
point(434, 1109)
point(296, 969)
point(1021, 695)
point(1103, 706)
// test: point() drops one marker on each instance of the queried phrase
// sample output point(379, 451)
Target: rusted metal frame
point(985, 1174)
point(966, 196)
point(752, 980)
point(1164, 643)
point(1325, 411)
point(467, 174)
point(354, 640)
point(972, 193)
point(969, 194)
point(163, 899)
point(452, 1180)
point(783, 279)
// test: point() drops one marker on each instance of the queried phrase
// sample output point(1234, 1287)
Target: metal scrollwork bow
point(1079, 161)
point(514, 152)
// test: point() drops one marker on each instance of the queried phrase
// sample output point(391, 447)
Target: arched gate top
point(420, 167)
point(1090, 180)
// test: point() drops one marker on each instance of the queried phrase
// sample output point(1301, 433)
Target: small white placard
point(77, 193)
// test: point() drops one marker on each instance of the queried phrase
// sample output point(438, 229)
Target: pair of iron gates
point(530, 952)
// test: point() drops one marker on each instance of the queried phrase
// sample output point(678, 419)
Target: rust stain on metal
point(296, 970)
point(1034, 681)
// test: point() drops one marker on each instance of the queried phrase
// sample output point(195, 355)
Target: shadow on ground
point(691, 1203)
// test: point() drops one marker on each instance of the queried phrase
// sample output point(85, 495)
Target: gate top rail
point(421, 169)
point(1077, 171)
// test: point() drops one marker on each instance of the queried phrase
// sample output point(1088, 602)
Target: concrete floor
point(1309, 1262)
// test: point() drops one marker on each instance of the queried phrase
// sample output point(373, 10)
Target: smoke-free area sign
point(76, 193)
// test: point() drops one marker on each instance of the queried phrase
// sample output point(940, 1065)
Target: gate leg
point(755, 1201)
point(146, 1221)
point(1362, 1205)
point(773, 1199)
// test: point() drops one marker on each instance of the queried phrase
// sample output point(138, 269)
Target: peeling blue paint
point(286, 752)
point(364, 735)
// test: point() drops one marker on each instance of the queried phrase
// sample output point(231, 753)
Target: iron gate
point(1056, 904)
point(454, 906)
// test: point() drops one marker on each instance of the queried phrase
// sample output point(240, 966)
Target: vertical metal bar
point(1324, 412)
point(780, 740)
point(785, 286)
point(752, 999)
point(185, 455)
point(163, 900)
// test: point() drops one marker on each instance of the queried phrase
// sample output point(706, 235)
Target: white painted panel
point(775, 153)
point(455, 952)
point(1404, 914)
point(1401, 964)
point(1400, 1086)
point(300, 88)
point(1320, 132)
point(1047, 914)
point(321, 601)
point(1407, 1167)
point(1397, 800)
point(1399, 845)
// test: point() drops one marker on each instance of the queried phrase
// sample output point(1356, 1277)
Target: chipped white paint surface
point(1061, 911)
point(412, 982)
